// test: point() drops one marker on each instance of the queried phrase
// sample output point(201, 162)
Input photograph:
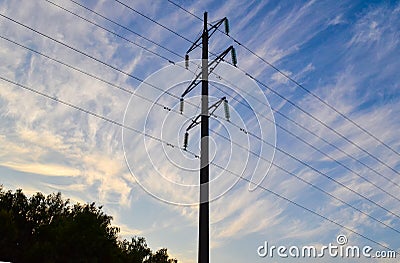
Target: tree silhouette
point(49, 229)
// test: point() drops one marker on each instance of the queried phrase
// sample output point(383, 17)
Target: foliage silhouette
point(50, 229)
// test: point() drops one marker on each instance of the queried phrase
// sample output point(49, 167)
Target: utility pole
point(204, 213)
point(206, 111)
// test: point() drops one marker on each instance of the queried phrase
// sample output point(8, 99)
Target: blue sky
point(345, 52)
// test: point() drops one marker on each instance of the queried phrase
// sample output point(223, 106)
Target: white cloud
point(280, 78)
point(44, 169)
point(50, 139)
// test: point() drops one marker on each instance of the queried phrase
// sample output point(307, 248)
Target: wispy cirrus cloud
point(347, 60)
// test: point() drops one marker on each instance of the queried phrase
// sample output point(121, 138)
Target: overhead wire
point(118, 1)
point(54, 98)
point(88, 74)
point(305, 181)
point(324, 124)
point(307, 209)
point(152, 20)
point(304, 141)
point(194, 155)
point(169, 144)
point(167, 59)
point(126, 28)
point(308, 144)
point(283, 115)
point(169, 109)
point(339, 183)
point(89, 56)
point(276, 93)
point(298, 84)
point(111, 32)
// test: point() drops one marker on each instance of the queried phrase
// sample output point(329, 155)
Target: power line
point(167, 108)
point(97, 60)
point(108, 121)
point(304, 141)
point(333, 180)
point(331, 145)
point(154, 21)
point(387, 178)
point(298, 84)
point(305, 208)
point(126, 28)
point(296, 136)
point(194, 105)
point(89, 74)
point(305, 181)
point(326, 103)
point(282, 97)
point(89, 56)
point(220, 89)
point(237, 126)
point(194, 155)
point(184, 9)
point(323, 124)
point(111, 32)
point(323, 174)
point(89, 112)
point(159, 24)
point(309, 144)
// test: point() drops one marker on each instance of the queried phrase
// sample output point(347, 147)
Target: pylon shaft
point(204, 213)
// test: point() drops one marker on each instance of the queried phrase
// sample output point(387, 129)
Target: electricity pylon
point(204, 212)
